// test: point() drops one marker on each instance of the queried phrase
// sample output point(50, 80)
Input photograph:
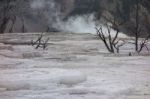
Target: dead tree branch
point(40, 43)
point(143, 44)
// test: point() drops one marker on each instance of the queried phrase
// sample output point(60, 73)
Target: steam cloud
point(79, 24)
point(75, 24)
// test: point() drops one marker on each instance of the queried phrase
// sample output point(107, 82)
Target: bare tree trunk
point(23, 25)
point(137, 26)
point(13, 23)
point(4, 25)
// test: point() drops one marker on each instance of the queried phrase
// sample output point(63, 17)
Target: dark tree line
point(122, 10)
point(10, 10)
point(6, 7)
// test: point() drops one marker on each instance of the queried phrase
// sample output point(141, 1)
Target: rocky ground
point(73, 66)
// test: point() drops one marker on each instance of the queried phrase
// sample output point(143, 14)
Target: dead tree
point(40, 43)
point(111, 43)
point(137, 29)
point(13, 23)
point(23, 29)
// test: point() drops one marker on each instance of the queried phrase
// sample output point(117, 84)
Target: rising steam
point(75, 24)
point(79, 24)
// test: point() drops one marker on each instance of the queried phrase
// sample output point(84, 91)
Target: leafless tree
point(23, 29)
point(111, 43)
point(137, 29)
point(12, 26)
